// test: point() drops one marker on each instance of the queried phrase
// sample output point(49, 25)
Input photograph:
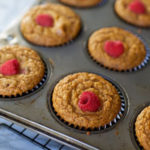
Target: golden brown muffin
point(142, 128)
point(70, 90)
point(130, 11)
point(29, 73)
point(116, 48)
point(50, 25)
point(81, 3)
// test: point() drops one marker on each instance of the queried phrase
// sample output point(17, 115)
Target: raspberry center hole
point(89, 101)
point(84, 101)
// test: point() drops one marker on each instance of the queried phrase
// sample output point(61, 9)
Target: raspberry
point(44, 20)
point(137, 7)
point(10, 67)
point(114, 48)
point(89, 102)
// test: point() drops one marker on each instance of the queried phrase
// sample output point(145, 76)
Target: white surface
point(10, 10)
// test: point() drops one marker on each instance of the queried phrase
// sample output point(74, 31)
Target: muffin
point(50, 25)
point(81, 3)
point(142, 128)
point(136, 12)
point(116, 48)
point(21, 69)
point(86, 100)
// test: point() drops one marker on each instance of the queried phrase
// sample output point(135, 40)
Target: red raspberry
point(10, 67)
point(44, 20)
point(89, 102)
point(137, 7)
point(114, 48)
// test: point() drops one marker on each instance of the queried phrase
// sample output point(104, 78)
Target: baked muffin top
point(50, 25)
point(142, 128)
point(116, 48)
point(81, 3)
point(21, 69)
point(136, 12)
point(86, 100)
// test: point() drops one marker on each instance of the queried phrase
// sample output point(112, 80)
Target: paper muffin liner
point(32, 91)
point(139, 67)
point(121, 114)
point(101, 3)
point(133, 136)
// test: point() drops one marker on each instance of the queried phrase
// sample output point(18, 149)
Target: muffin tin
point(33, 110)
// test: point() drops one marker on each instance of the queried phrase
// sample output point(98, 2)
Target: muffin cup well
point(133, 136)
point(29, 92)
point(121, 114)
point(139, 67)
point(101, 3)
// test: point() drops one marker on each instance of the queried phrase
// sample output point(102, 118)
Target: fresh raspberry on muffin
point(45, 20)
point(137, 7)
point(89, 102)
point(114, 48)
point(10, 67)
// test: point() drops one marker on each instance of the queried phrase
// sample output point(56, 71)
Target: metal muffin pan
point(33, 111)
